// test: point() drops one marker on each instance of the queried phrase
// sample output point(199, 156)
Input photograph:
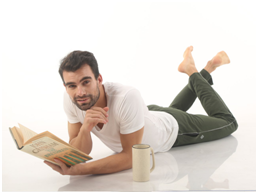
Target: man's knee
point(232, 122)
point(236, 125)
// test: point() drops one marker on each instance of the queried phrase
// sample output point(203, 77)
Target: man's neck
point(102, 102)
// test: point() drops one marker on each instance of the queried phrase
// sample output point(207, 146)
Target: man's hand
point(94, 116)
point(80, 133)
point(63, 169)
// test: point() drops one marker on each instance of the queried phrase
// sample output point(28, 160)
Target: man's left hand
point(63, 169)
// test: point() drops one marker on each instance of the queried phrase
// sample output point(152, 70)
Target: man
point(118, 116)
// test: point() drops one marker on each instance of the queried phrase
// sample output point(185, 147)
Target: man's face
point(82, 87)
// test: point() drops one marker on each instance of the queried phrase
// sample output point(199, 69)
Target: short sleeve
point(69, 109)
point(131, 112)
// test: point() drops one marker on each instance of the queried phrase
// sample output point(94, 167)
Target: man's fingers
point(62, 165)
point(106, 109)
point(50, 164)
point(103, 111)
point(97, 120)
point(96, 115)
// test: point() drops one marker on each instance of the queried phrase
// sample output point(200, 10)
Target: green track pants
point(196, 128)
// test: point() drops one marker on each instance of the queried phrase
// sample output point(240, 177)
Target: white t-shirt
point(127, 114)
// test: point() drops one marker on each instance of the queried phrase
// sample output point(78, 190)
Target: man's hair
point(75, 60)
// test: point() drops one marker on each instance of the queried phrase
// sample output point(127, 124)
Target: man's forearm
point(82, 142)
point(110, 164)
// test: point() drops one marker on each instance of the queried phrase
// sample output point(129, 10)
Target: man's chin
point(84, 107)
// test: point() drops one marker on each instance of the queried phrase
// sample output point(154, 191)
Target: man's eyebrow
point(84, 78)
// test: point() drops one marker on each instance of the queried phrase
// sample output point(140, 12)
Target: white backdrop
point(140, 43)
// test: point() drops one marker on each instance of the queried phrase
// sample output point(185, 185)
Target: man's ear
point(100, 79)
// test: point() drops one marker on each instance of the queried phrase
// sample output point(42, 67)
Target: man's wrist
point(81, 169)
point(85, 129)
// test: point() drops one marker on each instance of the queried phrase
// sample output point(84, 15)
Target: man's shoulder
point(117, 89)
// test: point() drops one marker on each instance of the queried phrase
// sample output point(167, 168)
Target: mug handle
point(153, 160)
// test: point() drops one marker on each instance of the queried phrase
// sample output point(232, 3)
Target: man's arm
point(110, 164)
point(117, 162)
point(79, 134)
point(79, 138)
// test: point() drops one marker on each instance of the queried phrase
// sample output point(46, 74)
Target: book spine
point(19, 148)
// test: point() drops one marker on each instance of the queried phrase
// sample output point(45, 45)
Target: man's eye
point(86, 82)
point(71, 86)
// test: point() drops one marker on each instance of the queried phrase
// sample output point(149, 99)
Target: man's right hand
point(80, 136)
point(94, 116)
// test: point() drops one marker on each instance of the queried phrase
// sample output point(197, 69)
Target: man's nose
point(80, 91)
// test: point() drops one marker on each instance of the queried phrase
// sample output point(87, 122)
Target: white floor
point(223, 165)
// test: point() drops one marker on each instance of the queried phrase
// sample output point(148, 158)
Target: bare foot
point(220, 59)
point(187, 65)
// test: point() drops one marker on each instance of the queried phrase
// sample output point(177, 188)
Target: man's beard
point(86, 106)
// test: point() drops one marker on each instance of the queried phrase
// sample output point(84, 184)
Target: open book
point(47, 146)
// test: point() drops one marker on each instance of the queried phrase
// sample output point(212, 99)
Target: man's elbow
point(128, 160)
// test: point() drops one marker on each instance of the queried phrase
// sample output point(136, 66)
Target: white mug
point(141, 162)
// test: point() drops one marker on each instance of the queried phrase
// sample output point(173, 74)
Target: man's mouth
point(82, 100)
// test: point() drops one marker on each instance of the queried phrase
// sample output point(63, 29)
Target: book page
point(46, 134)
point(26, 133)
